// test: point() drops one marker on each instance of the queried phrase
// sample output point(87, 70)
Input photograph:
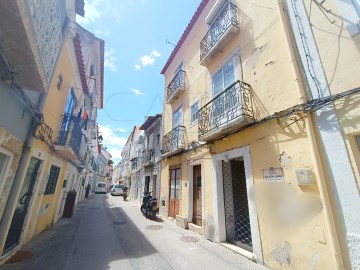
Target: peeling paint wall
point(14, 146)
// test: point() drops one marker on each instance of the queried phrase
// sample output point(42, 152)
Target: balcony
point(135, 163)
point(174, 141)
point(228, 111)
point(71, 143)
point(225, 26)
point(31, 36)
point(148, 157)
point(176, 86)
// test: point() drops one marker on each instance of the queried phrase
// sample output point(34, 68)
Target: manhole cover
point(119, 222)
point(188, 238)
point(20, 256)
point(154, 227)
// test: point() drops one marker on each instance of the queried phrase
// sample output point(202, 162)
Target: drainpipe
point(324, 195)
point(17, 183)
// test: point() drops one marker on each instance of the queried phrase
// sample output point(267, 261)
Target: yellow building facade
point(242, 163)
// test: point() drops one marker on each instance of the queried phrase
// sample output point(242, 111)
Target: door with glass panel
point(176, 135)
point(225, 99)
point(22, 205)
point(174, 194)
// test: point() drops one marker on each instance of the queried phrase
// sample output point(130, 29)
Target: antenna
point(168, 42)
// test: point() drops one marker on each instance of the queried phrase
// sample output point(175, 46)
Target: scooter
point(149, 205)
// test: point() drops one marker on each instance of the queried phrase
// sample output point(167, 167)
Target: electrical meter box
point(305, 177)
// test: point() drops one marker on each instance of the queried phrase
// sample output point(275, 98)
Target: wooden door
point(174, 194)
point(197, 196)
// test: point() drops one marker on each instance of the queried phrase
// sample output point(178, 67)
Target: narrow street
point(108, 233)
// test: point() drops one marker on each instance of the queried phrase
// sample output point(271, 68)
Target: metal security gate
point(237, 219)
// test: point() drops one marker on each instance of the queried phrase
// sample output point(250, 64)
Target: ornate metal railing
point(227, 17)
point(174, 140)
point(44, 132)
point(70, 133)
point(177, 83)
point(148, 157)
point(135, 163)
point(231, 104)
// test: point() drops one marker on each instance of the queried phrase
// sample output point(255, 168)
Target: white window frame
point(196, 100)
point(182, 116)
point(235, 57)
point(5, 171)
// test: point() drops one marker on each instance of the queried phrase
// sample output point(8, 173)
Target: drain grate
point(119, 222)
point(20, 256)
point(154, 227)
point(189, 238)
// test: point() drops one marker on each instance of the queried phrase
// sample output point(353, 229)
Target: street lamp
point(100, 138)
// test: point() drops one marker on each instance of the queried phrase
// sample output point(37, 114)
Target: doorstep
point(239, 250)
point(196, 229)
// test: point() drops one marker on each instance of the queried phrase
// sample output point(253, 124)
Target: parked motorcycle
point(149, 205)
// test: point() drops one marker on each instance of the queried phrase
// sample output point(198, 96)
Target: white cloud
point(115, 153)
point(110, 137)
point(137, 92)
point(92, 13)
point(121, 130)
point(147, 60)
point(110, 60)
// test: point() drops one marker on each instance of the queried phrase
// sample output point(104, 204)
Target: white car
point(101, 187)
point(117, 190)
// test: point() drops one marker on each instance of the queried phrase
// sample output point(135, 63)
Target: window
point(195, 112)
point(180, 67)
point(157, 139)
point(350, 11)
point(53, 178)
point(4, 159)
point(177, 117)
point(224, 77)
point(71, 102)
point(175, 184)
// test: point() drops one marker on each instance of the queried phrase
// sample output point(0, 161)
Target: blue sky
point(135, 34)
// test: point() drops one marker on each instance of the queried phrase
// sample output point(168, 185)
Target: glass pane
point(172, 193)
point(178, 173)
point(172, 183)
point(172, 175)
point(217, 83)
point(3, 163)
point(229, 76)
point(177, 194)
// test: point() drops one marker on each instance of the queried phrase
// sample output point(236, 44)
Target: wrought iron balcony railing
point(148, 157)
point(174, 141)
point(230, 108)
point(175, 86)
point(135, 163)
point(70, 133)
point(227, 17)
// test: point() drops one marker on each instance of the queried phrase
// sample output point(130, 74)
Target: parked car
point(117, 189)
point(101, 187)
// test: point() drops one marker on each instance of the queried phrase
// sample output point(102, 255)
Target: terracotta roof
point(80, 7)
point(185, 34)
point(80, 62)
point(102, 50)
point(149, 121)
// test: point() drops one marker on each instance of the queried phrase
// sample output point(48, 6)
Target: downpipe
point(313, 143)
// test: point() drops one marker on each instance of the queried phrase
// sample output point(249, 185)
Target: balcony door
point(177, 121)
point(226, 99)
point(174, 192)
point(66, 122)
